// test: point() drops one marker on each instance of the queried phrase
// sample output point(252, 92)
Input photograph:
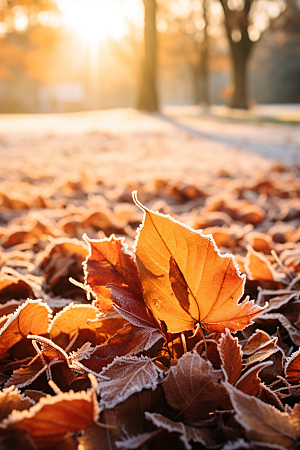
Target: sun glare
point(95, 19)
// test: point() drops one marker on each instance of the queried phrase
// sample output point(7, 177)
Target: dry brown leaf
point(12, 287)
point(263, 352)
point(293, 332)
point(53, 418)
point(10, 400)
point(125, 376)
point(61, 260)
point(260, 242)
point(270, 397)
point(263, 422)
point(249, 382)
point(137, 441)
point(32, 317)
point(131, 413)
point(127, 341)
point(186, 281)
point(24, 376)
point(231, 356)
point(131, 308)
point(75, 318)
point(292, 368)
point(256, 341)
point(187, 433)
point(258, 267)
point(193, 388)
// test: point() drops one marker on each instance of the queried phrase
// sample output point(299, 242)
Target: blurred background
point(76, 55)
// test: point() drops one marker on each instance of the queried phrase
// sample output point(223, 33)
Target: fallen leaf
point(292, 368)
point(263, 423)
point(258, 267)
point(263, 352)
point(32, 317)
point(138, 441)
point(293, 332)
point(231, 356)
point(127, 375)
point(249, 382)
point(53, 418)
point(131, 308)
point(193, 388)
point(186, 281)
point(186, 432)
point(130, 414)
point(10, 400)
point(127, 341)
point(109, 262)
point(77, 318)
point(259, 339)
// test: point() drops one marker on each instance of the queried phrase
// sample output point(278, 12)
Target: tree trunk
point(204, 60)
point(147, 99)
point(240, 95)
point(204, 77)
point(196, 83)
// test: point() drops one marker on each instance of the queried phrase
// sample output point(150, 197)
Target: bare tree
point(238, 21)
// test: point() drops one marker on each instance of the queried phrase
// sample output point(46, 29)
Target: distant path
point(123, 145)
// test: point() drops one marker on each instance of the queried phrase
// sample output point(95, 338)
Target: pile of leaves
point(173, 344)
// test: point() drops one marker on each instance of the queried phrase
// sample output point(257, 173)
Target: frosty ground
point(122, 145)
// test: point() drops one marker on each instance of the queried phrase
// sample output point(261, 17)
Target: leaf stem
point(183, 342)
point(204, 341)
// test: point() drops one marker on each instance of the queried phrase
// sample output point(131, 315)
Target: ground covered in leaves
point(121, 326)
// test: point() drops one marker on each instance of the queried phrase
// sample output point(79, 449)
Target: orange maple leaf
point(186, 281)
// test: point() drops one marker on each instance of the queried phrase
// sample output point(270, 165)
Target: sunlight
point(95, 19)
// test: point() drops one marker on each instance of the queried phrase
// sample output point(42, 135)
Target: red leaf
point(109, 263)
point(231, 355)
point(129, 340)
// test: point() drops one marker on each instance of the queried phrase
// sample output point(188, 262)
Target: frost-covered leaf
point(258, 267)
point(187, 433)
point(249, 382)
point(292, 368)
point(256, 341)
point(185, 279)
point(53, 418)
point(193, 388)
point(231, 356)
point(294, 333)
point(109, 262)
point(32, 317)
point(10, 400)
point(75, 318)
point(127, 375)
point(263, 422)
point(138, 441)
point(129, 340)
point(264, 351)
point(132, 308)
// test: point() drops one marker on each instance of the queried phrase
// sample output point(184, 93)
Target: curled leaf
point(53, 418)
point(32, 317)
point(263, 422)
